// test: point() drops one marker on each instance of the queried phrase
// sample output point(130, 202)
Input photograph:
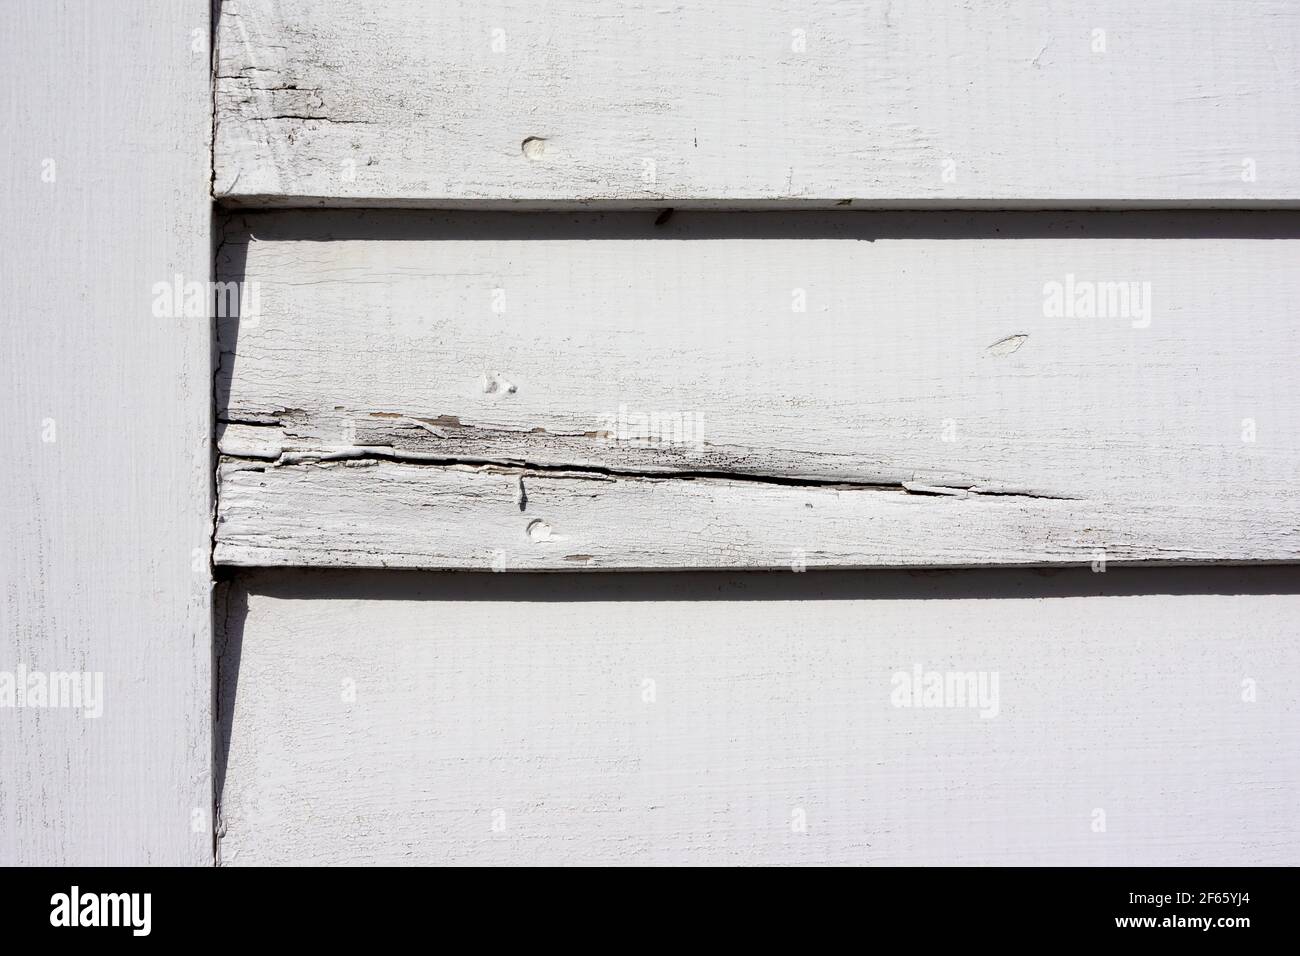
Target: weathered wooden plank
point(847, 389)
point(105, 411)
point(1139, 717)
point(750, 102)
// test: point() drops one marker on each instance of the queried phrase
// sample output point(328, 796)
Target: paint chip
point(497, 384)
point(1008, 345)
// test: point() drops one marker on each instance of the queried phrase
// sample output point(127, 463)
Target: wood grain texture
point(105, 412)
point(753, 102)
point(405, 718)
point(448, 390)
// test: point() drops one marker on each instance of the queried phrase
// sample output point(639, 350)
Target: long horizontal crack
point(601, 472)
point(304, 116)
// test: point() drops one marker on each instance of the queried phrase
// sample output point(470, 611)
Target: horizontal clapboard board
point(693, 718)
point(749, 102)
point(572, 391)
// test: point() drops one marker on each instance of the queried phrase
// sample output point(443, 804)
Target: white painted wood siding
point(840, 389)
point(828, 389)
point(105, 413)
point(406, 718)
point(1108, 102)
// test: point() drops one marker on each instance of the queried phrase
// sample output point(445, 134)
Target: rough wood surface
point(105, 412)
point(840, 389)
point(1144, 717)
point(750, 102)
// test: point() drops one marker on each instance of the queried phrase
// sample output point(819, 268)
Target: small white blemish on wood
point(497, 384)
point(1007, 345)
point(538, 530)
